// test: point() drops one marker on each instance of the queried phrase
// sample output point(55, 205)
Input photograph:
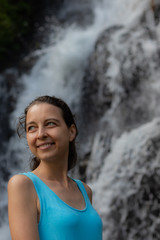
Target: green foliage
point(15, 23)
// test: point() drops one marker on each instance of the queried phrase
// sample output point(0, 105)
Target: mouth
point(45, 145)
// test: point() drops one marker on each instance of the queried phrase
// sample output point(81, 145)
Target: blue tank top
point(59, 221)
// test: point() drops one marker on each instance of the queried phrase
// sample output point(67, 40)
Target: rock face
point(120, 106)
point(127, 190)
point(155, 4)
point(121, 83)
point(123, 71)
point(10, 89)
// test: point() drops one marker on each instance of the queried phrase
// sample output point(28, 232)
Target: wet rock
point(155, 5)
point(129, 194)
point(119, 81)
point(10, 88)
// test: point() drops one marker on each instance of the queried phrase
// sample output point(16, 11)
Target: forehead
point(43, 110)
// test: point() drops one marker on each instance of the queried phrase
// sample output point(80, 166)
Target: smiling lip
point(45, 146)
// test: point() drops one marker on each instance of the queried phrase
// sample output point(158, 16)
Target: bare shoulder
point(20, 183)
point(88, 190)
point(22, 208)
point(21, 195)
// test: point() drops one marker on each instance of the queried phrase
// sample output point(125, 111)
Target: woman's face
point(47, 134)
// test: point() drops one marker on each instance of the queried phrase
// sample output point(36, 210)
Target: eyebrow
point(46, 120)
point(52, 119)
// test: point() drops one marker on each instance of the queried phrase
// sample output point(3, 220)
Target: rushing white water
point(122, 174)
point(60, 67)
point(61, 63)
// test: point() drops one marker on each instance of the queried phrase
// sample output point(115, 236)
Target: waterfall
point(113, 154)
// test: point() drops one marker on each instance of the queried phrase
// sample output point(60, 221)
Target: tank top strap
point(59, 221)
point(35, 181)
point(40, 186)
point(29, 175)
point(82, 189)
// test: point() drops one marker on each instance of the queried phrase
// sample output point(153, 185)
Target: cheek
point(31, 145)
point(30, 140)
point(61, 137)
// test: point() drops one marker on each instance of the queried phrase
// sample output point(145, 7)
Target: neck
point(52, 172)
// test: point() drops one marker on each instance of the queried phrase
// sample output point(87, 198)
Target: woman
point(46, 204)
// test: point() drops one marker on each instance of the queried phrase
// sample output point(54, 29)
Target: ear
point(72, 132)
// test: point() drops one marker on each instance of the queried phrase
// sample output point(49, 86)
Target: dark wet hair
point(68, 118)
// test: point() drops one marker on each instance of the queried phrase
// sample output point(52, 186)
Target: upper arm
point(89, 191)
point(22, 210)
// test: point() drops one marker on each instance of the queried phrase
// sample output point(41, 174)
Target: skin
point(48, 138)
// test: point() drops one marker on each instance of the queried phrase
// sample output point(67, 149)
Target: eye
point(31, 128)
point(51, 124)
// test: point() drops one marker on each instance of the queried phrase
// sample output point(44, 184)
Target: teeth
point(45, 145)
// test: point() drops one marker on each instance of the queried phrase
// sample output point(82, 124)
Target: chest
point(71, 196)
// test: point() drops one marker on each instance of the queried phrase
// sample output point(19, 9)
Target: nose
point(42, 133)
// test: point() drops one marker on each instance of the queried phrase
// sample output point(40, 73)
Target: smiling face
point(47, 134)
